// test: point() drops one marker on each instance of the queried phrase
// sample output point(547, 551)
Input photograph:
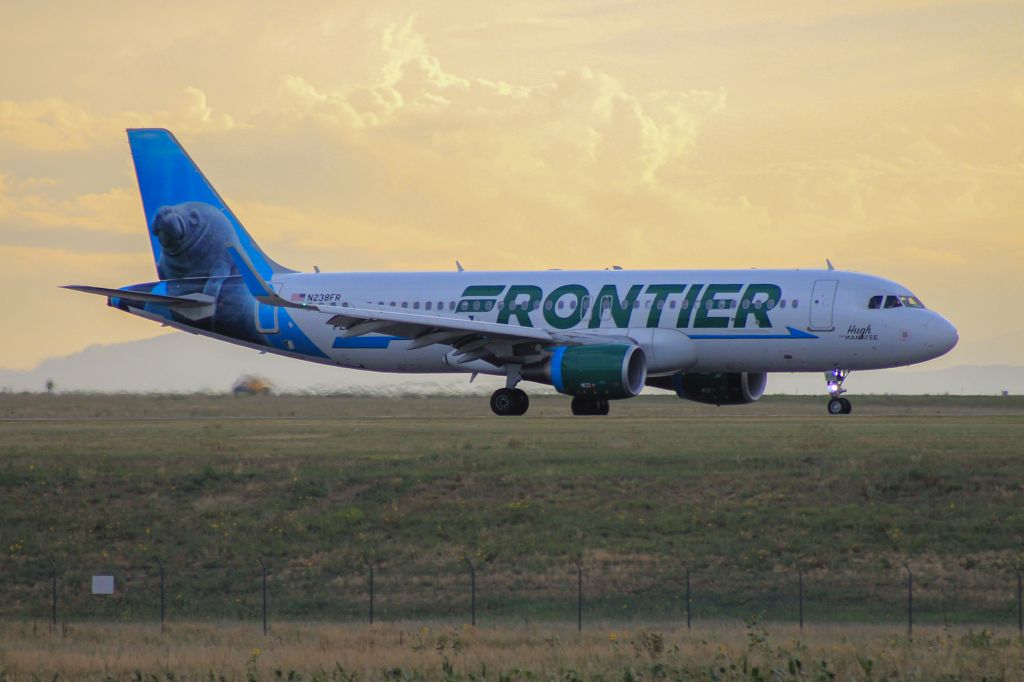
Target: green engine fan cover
point(603, 371)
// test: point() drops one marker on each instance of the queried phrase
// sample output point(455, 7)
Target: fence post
point(687, 598)
point(472, 590)
point(800, 571)
point(369, 565)
point(53, 579)
point(579, 596)
point(910, 600)
point(1020, 609)
point(162, 584)
point(263, 571)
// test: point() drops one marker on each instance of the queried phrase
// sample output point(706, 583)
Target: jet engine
point(610, 371)
point(724, 388)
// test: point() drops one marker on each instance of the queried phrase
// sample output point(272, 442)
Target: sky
point(886, 135)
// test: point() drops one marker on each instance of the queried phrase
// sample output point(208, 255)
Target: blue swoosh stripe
point(793, 334)
point(366, 342)
point(291, 333)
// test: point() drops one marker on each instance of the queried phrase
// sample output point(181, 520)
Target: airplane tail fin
point(190, 226)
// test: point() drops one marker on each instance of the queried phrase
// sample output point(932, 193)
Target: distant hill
point(184, 363)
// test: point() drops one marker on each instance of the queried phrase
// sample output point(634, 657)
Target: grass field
point(315, 486)
point(405, 651)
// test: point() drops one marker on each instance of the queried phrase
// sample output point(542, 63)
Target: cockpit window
point(911, 301)
point(876, 302)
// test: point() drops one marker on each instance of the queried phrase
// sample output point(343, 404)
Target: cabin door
point(822, 301)
point(266, 315)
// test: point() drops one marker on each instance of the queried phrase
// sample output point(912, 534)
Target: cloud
point(46, 125)
point(933, 256)
point(59, 125)
point(34, 204)
point(533, 135)
point(62, 263)
point(190, 114)
point(583, 123)
point(468, 164)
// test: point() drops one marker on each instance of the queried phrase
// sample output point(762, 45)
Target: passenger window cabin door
point(823, 299)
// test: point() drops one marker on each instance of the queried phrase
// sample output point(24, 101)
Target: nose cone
point(940, 336)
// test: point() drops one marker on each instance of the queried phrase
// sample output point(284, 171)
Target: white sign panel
point(103, 584)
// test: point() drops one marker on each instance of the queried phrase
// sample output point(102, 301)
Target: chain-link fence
point(464, 590)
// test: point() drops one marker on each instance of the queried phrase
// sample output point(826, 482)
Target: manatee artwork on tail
point(194, 237)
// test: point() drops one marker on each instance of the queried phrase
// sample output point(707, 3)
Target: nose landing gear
point(834, 383)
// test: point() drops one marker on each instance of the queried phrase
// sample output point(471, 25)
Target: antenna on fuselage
point(829, 264)
point(459, 267)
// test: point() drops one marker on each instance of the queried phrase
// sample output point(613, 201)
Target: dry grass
point(431, 651)
point(370, 408)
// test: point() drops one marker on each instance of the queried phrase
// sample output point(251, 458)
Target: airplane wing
point(471, 340)
point(497, 343)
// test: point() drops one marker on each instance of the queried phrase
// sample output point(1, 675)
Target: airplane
point(710, 336)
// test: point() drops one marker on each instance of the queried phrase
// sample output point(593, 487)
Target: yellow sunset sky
point(885, 135)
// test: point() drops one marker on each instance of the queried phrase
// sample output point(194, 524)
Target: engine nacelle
point(612, 371)
point(724, 388)
point(666, 350)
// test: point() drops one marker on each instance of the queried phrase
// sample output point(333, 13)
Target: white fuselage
point(739, 320)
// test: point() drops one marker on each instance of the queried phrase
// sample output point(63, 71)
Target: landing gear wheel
point(509, 402)
point(522, 400)
point(586, 406)
point(834, 383)
point(582, 406)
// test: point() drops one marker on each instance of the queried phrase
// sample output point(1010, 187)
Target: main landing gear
point(510, 401)
point(589, 406)
point(834, 383)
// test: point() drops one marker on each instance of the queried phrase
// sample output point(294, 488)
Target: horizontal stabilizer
point(175, 301)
